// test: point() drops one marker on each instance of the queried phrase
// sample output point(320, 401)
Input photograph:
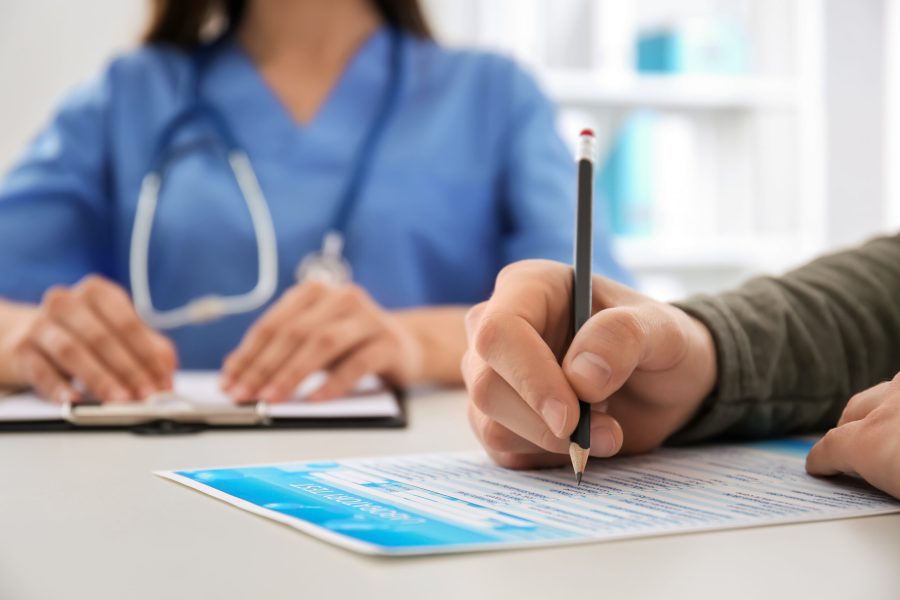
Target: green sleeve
point(791, 350)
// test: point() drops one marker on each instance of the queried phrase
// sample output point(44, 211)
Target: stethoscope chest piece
point(328, 265)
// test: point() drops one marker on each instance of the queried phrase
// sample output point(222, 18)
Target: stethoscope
point(327, 265)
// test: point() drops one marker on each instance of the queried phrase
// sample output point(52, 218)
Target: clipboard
point(197, 405)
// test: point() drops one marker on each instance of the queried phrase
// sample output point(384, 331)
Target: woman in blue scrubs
point(465, 174)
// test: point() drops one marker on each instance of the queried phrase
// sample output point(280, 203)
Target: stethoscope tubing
point(211, 306)
point(215, 306)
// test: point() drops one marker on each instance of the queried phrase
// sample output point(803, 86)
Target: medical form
point(440, 503)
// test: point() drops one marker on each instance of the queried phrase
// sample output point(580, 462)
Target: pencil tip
point(578, 478)
point(579, 458)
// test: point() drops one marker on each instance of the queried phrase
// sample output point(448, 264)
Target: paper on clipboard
point(202, 389)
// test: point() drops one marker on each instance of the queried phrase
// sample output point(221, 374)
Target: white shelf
point(687, 92)
point(751, 253)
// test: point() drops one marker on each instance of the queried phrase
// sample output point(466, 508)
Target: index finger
point(260, 333)
point(508, 341)
point(836, 452)
point(112, 305)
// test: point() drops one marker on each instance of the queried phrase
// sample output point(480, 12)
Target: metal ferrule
point(587, 148)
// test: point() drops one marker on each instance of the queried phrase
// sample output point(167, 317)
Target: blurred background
point(737, 136)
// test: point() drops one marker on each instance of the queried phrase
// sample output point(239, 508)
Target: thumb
point(615, 342)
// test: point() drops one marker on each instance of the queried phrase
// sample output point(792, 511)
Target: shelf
point(685, 92)
point(751, 253)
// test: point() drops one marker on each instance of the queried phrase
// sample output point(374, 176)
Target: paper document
point(439, 503)
point(201, 388)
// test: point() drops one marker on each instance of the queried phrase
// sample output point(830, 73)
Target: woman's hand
point(315, 327)
point(866, 441)
point(644, 366)
point(91, 333)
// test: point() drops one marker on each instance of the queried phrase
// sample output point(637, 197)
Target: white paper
point(202, 388)
point(440, 503)
point(27, 407)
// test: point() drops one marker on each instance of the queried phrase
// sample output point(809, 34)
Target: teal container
point(624, 183)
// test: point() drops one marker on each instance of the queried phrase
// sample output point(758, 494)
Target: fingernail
point(554, 413)
point(241, 392)
point(146, 391)
point(603, 441)
point(64, 396)
point(268, 394)
point(227, 382)
point(591, 367)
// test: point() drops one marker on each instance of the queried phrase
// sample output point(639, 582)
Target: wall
point(48, 46)
point(855, 112)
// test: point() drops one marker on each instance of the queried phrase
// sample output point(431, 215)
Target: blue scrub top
point(470, 175)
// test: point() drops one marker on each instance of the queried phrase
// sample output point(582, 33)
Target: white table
point(81, 516)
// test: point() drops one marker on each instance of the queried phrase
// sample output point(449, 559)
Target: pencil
point(580, 441)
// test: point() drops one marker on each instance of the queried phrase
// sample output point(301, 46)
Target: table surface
point(81, 516)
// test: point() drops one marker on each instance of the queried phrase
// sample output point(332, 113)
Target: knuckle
point(57, 299)
point(167, 350)
point(513, 269)
point(474, 417)
point(352, 296)
point(131, 325)
point(232, 362)
point(35, 328)
point(881, 416)
point(295, 334)
point(893, 386)
point(326, 341)
point(487, 334)
point(94, 284)
point(26, 356)
point(254, 374)
point(24, 346)
point(66, 349)
point(467, 367)
point(99, 338)
point(480, 392)
point(628, 325)
point(315, 288)
point(495, 437)
point(264, 331)
point(853, 401)
point(473, 317)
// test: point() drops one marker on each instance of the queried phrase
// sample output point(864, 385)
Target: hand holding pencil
point(635, 371)
point(643, 366)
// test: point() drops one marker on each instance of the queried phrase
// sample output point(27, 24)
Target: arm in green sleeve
point(791, 350)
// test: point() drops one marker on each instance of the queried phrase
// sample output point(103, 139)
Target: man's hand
point(866, 441)
point(315, 326)
point(644, 366)
point(91, 333)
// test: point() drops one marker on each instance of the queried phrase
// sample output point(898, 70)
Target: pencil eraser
point(589, 132)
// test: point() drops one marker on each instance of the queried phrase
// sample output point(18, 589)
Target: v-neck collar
point(264, 124)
